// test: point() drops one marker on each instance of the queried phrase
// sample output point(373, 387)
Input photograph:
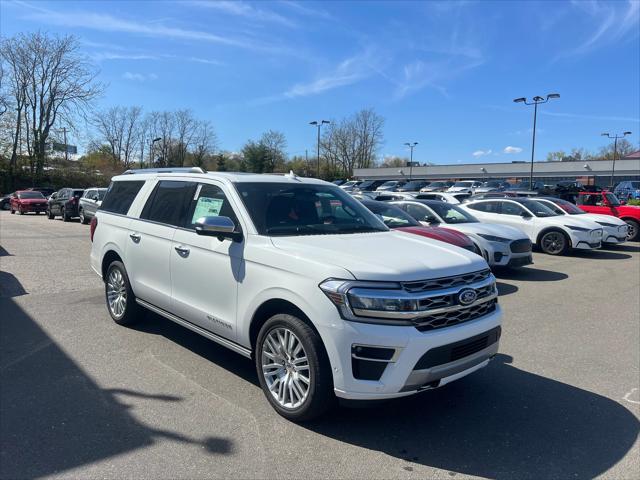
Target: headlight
point(374, 298)
point(577, 229)
point(492, 238)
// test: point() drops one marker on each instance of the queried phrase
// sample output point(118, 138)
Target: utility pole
point(615, 152)
point(66, 147)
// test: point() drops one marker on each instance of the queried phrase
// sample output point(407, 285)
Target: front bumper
point(500, 254)
point(586, 240)
point(615, 234)
point(32, 208)
point(403, 376)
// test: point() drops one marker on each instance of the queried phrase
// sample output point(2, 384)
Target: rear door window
point(489, 207)
point(168, 202)
point(120, 196)
point(509, 208)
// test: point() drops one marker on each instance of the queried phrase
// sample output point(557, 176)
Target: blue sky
point(443, 74)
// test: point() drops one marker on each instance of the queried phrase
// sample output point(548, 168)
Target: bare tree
point(275, 144)
point(61, 85)
point(204, 143)
point(118, 127)
point(164, 128)
point(185, 131)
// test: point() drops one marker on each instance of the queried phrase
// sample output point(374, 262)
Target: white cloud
point(511, 149)
point(139, 77)
point(243, 9)
point(347, 72)
point(481, 153)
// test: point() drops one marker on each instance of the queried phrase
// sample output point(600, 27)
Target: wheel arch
point(110, 256)
point(546, 230)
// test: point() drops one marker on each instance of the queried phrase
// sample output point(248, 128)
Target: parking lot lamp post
point(153, 142)
point(536, 100)
point(319, 125)
point(615, 151)
point(411, 147)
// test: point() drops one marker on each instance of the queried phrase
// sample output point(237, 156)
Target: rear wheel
point(50, 214)
point(13, 211)
point(20, 211)
point(554, 243)
point(121, 302)
point(65, 218)
point(293, 368)
point(633, 230)
point(84, 220)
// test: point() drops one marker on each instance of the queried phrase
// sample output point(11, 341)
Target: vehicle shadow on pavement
point(500, 422)
point(10, 286)
point(530, 274)
point(506, 288)
point(631, 248)
point(600, 255)
point(205, 348)
point(4, 253)
point(54, 417)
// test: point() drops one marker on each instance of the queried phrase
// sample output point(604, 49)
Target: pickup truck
point(606, 203)
point(300, 277)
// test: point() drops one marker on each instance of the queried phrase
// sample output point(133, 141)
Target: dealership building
point(588, 172)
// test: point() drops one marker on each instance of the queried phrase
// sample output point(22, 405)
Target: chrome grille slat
point(455, 317)
point(446, 282)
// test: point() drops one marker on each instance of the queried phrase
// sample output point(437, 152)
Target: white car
point(501, 246)
point(552, 233)
point(299, 276)
point(89, 203)
point(614, 229)
point(466, 186)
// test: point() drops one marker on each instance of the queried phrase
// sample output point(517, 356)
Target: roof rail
point(132, 171)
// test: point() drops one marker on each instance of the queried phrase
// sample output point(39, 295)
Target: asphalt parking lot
point(82, 397)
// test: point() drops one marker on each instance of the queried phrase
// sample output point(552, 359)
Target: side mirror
point(525, 215)
point(430, 219)
point(220, 227)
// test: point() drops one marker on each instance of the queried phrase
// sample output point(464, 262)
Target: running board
point(205, 333)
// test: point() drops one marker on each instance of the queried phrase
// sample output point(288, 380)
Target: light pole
point(615, 151)
point(484, 173)
point(319, 125)
point(151, 150)
point(535, 102)
point(411, 147)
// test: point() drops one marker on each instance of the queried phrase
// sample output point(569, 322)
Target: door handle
point(135, 237)
point(182, 251)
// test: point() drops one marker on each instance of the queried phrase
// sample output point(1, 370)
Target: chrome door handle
point(135, 237)
point(182, 251)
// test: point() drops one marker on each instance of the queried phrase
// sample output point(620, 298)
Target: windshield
point(393, 217)
point(452, 214)
point(438, 184)
point(569, 207)
point(635, 184)
point(538, 208)
point(492, 183)
point(612, 199)
point(31, 195)
point(101, 193)
point(283, 209)
point(390, 183)
point(463, 184)
point(410, 185)
point(366, 184)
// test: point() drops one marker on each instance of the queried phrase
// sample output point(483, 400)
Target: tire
point(84, 220)
point(633, 232)
point(303, 400)
point(65, 218)
point(50, 215)
point(13, 212)
point(38, 212)
point(554, 242)
point(122, 307)
point(20, 212)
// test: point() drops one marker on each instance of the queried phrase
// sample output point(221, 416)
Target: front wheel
point(121, 302)
point(554, 243)
point(633, 230)
point(293, 368)
point(13, 212)
point(50, 215)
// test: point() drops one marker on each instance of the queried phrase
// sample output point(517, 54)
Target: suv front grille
point(455, 317)
point(444, 301)
point(521, 246)
point(446, 282)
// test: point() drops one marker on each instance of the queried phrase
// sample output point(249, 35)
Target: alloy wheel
point(553, 243)
point(116, 293)
point(285, 367)
point(632, 230)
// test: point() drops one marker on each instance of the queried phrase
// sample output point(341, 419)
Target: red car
point(25, 201)
point(397, 219)
point(606, 203)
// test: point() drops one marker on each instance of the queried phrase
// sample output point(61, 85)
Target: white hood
point(596, 217)
point(504, 231)
point(386, 256)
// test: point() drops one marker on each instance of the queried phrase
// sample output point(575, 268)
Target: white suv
point(299, 276)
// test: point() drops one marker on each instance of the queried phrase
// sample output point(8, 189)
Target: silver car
point(89, 203)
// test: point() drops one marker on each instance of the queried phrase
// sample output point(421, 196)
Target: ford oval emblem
point(467, 296)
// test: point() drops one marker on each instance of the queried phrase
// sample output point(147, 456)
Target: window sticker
point(207, 207)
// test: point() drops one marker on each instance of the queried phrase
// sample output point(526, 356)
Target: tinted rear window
point(78, 193)
point(168, 202)
point(120, 196)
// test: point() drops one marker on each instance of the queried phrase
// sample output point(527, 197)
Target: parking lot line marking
point(629, 394)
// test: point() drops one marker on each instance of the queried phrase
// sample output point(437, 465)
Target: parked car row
point(67, 203)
